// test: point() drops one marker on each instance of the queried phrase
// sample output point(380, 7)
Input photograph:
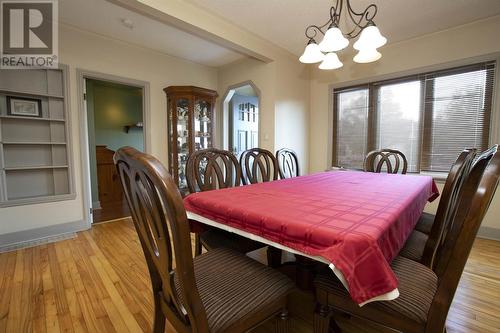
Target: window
point(352, 127)
point(430, 117)
point(399, 119)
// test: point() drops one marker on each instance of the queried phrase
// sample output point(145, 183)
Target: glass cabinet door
point(203, 118)
point(182, 127)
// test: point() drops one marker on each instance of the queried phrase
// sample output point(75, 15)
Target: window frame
point(425, 110)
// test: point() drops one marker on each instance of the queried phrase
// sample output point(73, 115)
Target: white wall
point(465, 44)
point(92, 52)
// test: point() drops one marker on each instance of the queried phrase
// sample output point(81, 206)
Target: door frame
point(81, 76)
point(225, 115)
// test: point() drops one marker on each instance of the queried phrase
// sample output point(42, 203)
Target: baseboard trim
point(26, 238)
point(489, 233)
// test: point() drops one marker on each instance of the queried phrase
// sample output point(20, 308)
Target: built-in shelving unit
point(35, 161)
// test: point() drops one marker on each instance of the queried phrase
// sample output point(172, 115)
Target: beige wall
point(292, 110)
point(263, 76)
point(92, 52)
point(465, 44)
point(284, 109)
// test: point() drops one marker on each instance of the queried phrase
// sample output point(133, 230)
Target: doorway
point(243, 118)
point(114, 119)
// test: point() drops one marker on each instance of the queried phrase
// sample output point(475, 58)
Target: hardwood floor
point(98, 282)
point(111, 211)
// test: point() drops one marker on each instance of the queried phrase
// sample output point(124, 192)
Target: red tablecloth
point(358, 221)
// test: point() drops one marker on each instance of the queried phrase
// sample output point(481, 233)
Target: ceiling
point(105, 18)
point(283, 22)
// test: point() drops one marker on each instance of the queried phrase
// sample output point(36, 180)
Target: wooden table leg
point(305, 272)
point(197, 245)
point(273, 257)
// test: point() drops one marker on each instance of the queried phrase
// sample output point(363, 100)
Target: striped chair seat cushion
point(232, 286)
point(425, 223)
point(414, 246)
point(417, 287)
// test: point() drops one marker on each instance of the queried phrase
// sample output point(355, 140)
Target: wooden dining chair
point(288, 163)
point(218, 291)
point(425, 294)
point(426, 220)
point(422, 246)
point(258, 165)
point(211, 169)
point(392, 159)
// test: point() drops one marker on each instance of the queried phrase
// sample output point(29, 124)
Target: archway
point(240, 117)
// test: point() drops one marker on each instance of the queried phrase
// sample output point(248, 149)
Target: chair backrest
point(474, 199)
point(288, 163)
point(210, 169)
point(258, 165)
point(391, 158)
point(161, 223)
point(447, 204)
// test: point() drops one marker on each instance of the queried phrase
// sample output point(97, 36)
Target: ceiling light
point(367, 55)
point(331, 62)
point(370, 38)
point(312, 53)
point(334, 40)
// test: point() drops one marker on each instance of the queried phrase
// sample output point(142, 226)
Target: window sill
point(437, 176)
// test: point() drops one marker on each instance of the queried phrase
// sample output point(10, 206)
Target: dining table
point(355, 222)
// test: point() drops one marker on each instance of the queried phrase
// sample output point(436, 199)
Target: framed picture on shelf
point(24, 107)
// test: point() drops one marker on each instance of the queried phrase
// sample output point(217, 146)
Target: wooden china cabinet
point(190, 121)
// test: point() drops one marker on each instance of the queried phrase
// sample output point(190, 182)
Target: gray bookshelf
point(35, 155)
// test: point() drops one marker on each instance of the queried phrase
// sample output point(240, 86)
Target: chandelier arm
point(334, 15)
point(312, 31)
point(360, 19)
point(367, 15)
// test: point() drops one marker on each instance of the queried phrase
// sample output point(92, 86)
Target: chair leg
point(334, 327)
point(282, 322)
point(197, 245)
point(322, 317)
point(159, 319)
point(273, 257)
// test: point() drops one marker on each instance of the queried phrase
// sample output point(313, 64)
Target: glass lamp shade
point(312, 54)
point(331, 62)
point(367, 55)
point(370, 38)
point(333, 41)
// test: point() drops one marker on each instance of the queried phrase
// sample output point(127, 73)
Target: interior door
point(242, 142)
point(245, 123)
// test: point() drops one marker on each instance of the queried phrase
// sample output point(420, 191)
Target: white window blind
point(398, 119)
point(429, 117)
point(458, 108)
point(352, 130)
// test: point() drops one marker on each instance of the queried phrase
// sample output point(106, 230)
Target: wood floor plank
point(8, 261)
point(98, 282)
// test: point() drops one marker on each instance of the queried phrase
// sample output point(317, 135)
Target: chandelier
point(334, 40)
